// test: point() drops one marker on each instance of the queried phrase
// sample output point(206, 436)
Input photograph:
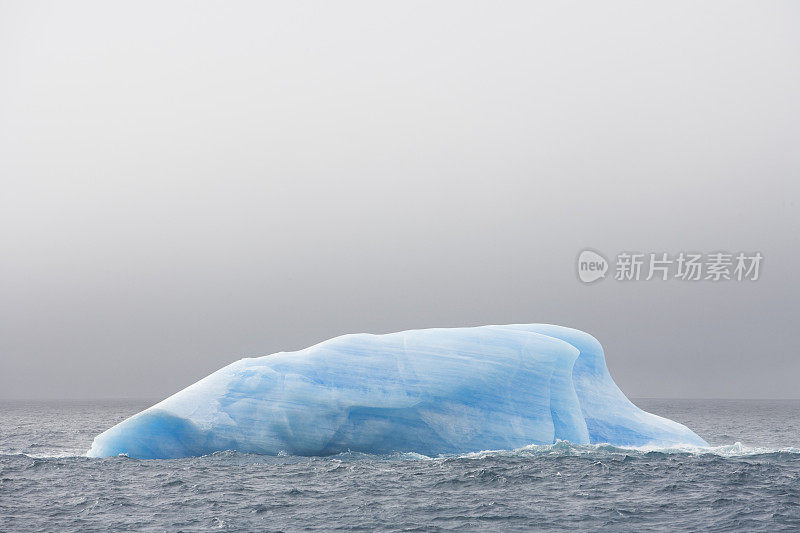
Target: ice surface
point(430, 391)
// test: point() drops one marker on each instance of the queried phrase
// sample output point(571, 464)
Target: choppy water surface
point(749, 480)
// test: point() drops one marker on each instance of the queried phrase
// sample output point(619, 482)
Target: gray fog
point(186, 183)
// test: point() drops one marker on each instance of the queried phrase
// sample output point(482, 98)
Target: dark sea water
point(748, 481)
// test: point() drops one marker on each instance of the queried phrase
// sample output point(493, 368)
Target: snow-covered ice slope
point(430, 391)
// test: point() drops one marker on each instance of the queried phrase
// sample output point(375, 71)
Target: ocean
point(749, 480)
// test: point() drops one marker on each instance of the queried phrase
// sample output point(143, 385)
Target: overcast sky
point(187, 183)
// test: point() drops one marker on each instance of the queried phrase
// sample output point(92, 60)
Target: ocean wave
point(563, 448)
point(67, 454)
point(558, 449)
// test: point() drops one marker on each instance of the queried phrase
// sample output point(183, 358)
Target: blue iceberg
point(429, 391)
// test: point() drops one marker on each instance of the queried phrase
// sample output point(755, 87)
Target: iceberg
point(429, 391)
